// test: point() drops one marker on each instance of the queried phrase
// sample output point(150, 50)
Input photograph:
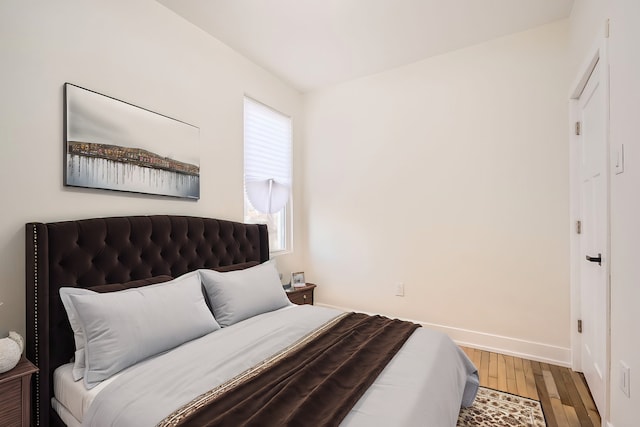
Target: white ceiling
point(313, 43)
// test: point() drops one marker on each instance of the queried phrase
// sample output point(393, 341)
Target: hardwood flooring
point(563, 393)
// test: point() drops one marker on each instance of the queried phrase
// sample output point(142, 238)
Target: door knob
point(597, 259)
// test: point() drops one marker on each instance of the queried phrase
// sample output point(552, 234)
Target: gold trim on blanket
point(186, 410)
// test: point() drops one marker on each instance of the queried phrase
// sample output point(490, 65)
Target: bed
point(424, 383)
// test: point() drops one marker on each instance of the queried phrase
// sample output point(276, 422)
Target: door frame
point(597, 55)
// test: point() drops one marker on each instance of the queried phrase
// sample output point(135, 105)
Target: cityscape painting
point(113, 145)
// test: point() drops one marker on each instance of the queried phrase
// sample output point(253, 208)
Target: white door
point(594, 284)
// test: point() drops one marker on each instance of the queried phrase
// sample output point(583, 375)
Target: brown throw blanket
point(315, 382)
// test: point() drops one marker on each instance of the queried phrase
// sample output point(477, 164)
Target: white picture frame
point(297, 280)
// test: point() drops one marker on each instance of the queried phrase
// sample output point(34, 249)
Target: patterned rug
point(494, 408)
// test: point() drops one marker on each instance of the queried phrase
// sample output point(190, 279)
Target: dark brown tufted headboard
point(99, 251)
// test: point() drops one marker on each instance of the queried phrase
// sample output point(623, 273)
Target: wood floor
point(564, 396)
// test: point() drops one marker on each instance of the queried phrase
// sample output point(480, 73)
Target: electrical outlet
point(625, 379)
point(400, 289)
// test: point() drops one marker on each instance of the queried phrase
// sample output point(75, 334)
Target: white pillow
point(125, 327)
point(78, 333)
point(238, 295)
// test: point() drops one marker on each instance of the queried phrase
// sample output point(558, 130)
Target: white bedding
point(424, 384)
point(73, 395)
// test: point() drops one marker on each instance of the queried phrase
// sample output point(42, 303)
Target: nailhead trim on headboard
point(35, 322)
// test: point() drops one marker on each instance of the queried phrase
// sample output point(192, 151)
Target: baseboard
point(496, 343)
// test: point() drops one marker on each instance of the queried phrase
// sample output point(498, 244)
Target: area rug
point(494, 408)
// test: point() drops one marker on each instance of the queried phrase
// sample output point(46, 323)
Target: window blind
point(267, 157)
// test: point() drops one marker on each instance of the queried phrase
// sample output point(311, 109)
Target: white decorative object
point(10, 351)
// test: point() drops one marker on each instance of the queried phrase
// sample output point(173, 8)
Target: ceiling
point(315, 43)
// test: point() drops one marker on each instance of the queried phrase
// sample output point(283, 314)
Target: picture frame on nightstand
point(297, 280)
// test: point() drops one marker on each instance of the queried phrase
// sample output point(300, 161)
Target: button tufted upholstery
point(101, 251)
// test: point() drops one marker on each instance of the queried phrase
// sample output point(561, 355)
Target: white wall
point(136, 51)
point(586, 29)
point(450, 175)
point(625, 208)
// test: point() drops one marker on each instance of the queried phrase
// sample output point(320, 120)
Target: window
point(267, 171)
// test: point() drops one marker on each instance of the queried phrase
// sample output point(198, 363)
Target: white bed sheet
point(73, 395)
point(415, 389)
point(67, 417)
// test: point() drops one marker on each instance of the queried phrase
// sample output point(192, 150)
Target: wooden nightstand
point(15, 395)
point(303, 295)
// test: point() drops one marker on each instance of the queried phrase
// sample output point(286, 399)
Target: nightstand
point(15, 395)
point(302, 295)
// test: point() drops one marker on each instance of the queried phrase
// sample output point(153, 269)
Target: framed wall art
point(114, 145)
